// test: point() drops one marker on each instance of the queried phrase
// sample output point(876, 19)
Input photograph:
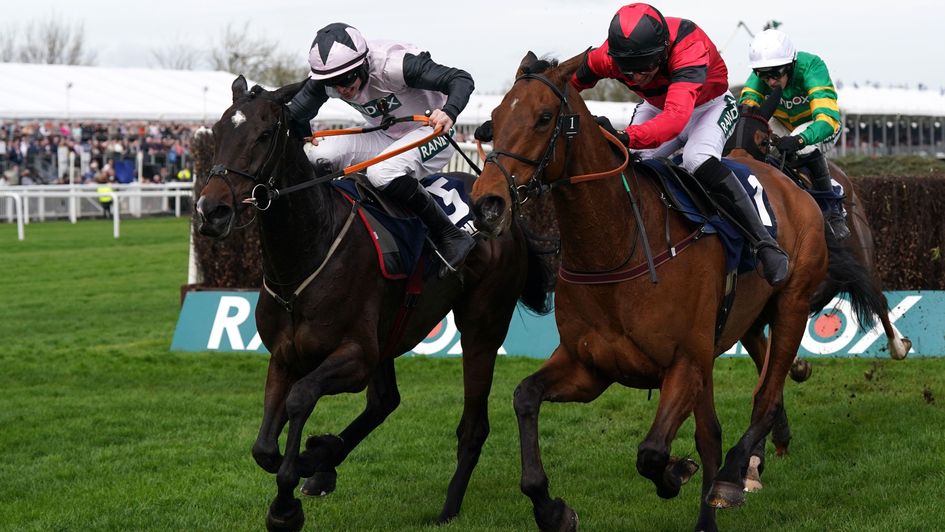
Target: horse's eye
point(544, 119)
point(264, 136)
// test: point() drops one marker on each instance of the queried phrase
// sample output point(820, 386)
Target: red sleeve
point(688, 64)
point(596, 66)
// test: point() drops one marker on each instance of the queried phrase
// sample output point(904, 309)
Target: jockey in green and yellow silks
point(807, 118)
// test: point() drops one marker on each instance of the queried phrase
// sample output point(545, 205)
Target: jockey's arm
point(305, 106)
point(421, 72)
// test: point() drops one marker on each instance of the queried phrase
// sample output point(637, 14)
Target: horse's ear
point(770, 104)
point(239, 88)
point(527, 61)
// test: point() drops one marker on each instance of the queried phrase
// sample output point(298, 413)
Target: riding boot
point(820, 179)
point(729, 194)
point(452, 244)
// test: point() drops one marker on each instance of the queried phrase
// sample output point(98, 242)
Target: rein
point(265, 194)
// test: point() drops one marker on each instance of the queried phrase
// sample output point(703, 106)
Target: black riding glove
point(622, 135)
point(789, 144)
point(484, 132)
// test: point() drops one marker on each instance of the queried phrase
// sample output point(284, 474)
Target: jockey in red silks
point(677, 70)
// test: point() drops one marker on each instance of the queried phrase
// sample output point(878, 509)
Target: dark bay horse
point(332, 339)
point(753, 136)
point(615, 324)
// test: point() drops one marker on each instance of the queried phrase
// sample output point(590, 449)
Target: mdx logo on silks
point(373, 108)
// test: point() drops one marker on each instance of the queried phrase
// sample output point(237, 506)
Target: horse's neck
point(595, 219)
point(296, 232)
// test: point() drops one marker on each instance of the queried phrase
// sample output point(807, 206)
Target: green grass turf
point(102, 428)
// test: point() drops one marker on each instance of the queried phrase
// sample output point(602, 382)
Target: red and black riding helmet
point(638, 39)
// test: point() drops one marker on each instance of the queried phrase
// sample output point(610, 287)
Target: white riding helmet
point(771, 48)
point(337, 48)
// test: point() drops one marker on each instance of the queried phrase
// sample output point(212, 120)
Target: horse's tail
point(845, 273)
point(541, 277)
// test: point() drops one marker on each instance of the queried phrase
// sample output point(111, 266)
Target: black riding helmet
point(638, 39)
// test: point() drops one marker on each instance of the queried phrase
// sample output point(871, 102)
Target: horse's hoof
point(753, 476)
point(900, 349)
point(321, 483)
point(684, 469)
point(780, 450)
point(800, 370)
point(563, 518)
point(725, 495)
point(290, 521)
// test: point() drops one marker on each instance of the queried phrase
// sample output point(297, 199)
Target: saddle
point(827, 200)
point(400, 238)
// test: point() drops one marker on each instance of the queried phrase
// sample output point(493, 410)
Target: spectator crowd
point(37, 152)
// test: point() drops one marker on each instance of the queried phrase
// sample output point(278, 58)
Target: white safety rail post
point(73, 217)
point(18, 208)
point(115, 218)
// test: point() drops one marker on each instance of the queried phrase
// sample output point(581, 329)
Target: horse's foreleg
point(560, 379)
point(266, 448)
point(709, 446)
point(345, 370)
point(681, 385)
point(473, 428)
point(323, 454)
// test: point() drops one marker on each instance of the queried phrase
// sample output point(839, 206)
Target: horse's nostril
point(491, 208)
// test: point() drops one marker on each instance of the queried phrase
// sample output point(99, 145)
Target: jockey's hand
point(440, 119)
point(789, 144)
point(484, 132)
point(622, 136)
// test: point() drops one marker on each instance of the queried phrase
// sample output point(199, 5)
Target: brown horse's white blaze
point(630, 330)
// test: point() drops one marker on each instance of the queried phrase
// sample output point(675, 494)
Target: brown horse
point(753, 137)
point(850, 270)
point(336, 334)
point(615, 323)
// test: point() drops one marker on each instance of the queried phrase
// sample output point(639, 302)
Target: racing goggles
point(640, 64)
point(772, 72)
point(343, 80)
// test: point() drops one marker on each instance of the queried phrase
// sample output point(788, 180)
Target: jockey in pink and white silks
point(387, 79)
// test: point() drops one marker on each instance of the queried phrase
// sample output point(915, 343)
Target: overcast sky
point(896, 42)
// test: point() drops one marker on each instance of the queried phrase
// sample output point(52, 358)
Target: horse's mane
point(540, 66)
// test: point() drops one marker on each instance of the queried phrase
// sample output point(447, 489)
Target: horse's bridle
point(740, 135)
point(567, 124)
point(264, 191)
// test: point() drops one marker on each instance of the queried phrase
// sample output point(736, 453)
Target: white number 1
point(759, 200)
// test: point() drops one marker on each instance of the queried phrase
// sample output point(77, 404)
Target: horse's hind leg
point(756, 344)
point(266, 448)
point(344, 370)
point(560, 379)
point(899, 345)
point(682, 383)
point(786, 332)
point(323, 454)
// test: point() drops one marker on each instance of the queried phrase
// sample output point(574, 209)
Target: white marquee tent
point(60, 92)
